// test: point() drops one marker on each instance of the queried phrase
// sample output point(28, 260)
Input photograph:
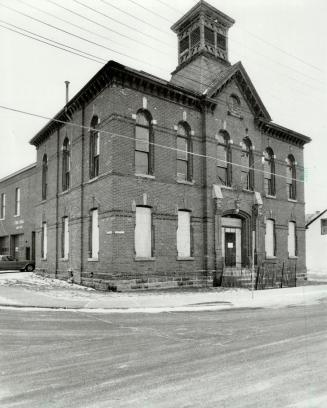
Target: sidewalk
point(26, 290)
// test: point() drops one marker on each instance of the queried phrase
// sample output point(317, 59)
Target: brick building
point(143, 182)
point(17, 219)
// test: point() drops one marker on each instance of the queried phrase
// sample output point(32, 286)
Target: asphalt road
point(239, 358)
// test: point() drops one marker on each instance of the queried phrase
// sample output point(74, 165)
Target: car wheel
point(29, 268)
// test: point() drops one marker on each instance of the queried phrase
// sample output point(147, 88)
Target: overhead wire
point(136, 59)
point(90, 128)
point(117, 21)
point(78, 53)
point(259, 38)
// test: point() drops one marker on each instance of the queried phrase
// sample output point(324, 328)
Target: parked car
point(9, 263)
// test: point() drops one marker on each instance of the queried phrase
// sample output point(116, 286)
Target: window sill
point(270, 196)
point(186, 258)
point(92, 180)
point(64, 259)
point(149, 176)
point(189, 183)
point(234, 114)
point(2, 219)
point(93, 259)
point(141, 259)
point(43, 259)
point(292, 257)
point(292, 200)
point(64, 192)
point(16, 215)
point(245, 190)
point(271, 258)
point(225, 187)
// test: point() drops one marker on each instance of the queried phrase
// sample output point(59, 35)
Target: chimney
point(67, 91)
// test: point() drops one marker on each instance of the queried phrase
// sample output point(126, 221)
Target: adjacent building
point(17, 216)
point(316, 245)
point(142, 182)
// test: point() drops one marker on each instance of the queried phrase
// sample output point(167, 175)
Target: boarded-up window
point(143, 231)
point(291, 238)
point(270, 238)
point(44, 240)
point(65, 238)
point(324, 226)
point(94, 234)
point(3, 206)
point(184, 234)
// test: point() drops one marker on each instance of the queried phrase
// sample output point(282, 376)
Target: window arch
point(269, 172)
point(291, 177)
point(66, 164)
point(247, 164)
point(224, 158)
point(44, 177)
point(235, 104)
point(143, 143)
point(94, 147)
point(184, 152)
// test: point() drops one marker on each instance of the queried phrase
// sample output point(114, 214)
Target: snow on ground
point(56, 293)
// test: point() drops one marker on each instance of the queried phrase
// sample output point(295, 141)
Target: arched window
point(224, 159)
point(291, 177)
point(247, 168)
point(66, 164)
point(94, 147)
point(44, 176)
point(143, 144)
point(269, 172)
point(184, 153)
point(234, 105)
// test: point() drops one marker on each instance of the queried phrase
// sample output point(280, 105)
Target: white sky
point(32, 74)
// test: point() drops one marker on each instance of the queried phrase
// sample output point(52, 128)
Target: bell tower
point(202, 46)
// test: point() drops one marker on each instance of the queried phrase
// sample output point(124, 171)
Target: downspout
point(82, 194)
point(204, 185)
point(57, 204)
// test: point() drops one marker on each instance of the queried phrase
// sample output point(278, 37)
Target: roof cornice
point(282, 132)
point(114, 72)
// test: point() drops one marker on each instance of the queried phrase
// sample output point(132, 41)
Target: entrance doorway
point(232, 241)
point(230, 248)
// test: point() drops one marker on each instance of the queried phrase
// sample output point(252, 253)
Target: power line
point(119, 22)
point(90, 128)
point(136, 59)
point(263, 40)
point(71, 23)
point(71, 34)
point(55, 46)
point(133, 16)
point(150, 11)
point(101, 25)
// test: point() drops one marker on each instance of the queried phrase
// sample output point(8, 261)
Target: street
point(234, 358)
